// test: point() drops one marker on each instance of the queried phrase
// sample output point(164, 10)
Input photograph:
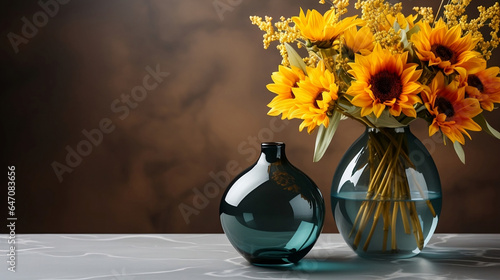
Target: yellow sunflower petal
point(384, 80)
point(445, 48)
point(451, 111)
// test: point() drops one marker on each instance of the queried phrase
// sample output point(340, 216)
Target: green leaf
point(486, 126)
point(412, 31)
point(420, 108)
point(295, 59)
point(460, 151)
point(403, 34)
point(325, 136)
point(408, 45)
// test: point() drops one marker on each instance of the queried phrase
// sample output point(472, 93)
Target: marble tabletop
point(210, 256)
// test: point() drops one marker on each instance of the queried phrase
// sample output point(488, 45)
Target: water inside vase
point(346, 207)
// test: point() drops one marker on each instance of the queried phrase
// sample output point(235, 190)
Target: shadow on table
point(428, 260)
point(353, 265)
point(329, 265)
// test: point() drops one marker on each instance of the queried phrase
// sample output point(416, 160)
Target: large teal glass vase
point(386, 194)
point(272, 213)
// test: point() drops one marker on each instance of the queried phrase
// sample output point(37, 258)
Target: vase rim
point(399, 128)
point(272, 144)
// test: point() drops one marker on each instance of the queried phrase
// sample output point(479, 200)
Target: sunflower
point(323, 30)
point(315, 97)
point(446, 49)
point(384, 80)
point(485, 87)
point(284, 80)
point(451, 112)
point(358, 41)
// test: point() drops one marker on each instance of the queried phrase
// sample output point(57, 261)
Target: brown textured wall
point(203, 118)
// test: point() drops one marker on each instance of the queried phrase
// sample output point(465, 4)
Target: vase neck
point(272, 151)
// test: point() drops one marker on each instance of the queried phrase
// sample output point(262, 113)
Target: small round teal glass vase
point(386, 194)
point(272, 213)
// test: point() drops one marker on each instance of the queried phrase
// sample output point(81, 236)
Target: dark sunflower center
point(474, 81)
point(444, 53)
point(386, 85)
point(444, 106)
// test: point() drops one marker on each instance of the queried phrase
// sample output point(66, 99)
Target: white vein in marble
point(210, 256)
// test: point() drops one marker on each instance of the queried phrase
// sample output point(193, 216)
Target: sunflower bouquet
point(385, 69)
